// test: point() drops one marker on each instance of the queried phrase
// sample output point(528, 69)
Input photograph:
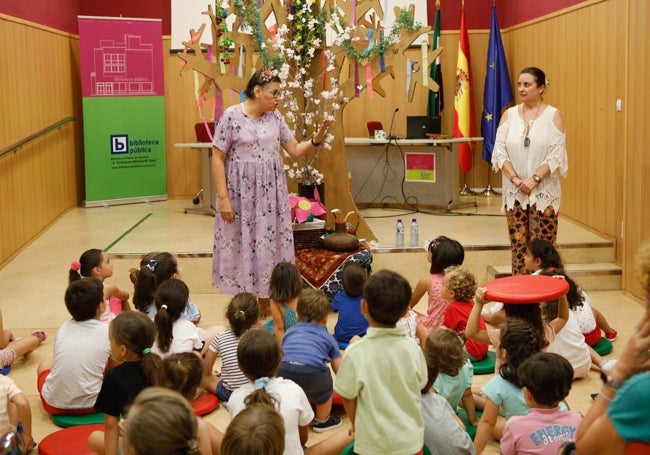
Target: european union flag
point(497, 91)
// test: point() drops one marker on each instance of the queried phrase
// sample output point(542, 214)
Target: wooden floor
point(33, 283)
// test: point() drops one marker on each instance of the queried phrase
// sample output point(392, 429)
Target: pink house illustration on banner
point(123, 69)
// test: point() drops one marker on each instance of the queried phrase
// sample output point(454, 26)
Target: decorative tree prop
point(319, 78)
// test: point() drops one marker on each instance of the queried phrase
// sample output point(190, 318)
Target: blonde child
point(182, 373)
point(442, 252)
point(70, 381)
point(284, 288)
point(131, 335)
point(96, 263)
point(444, 350)
point(174, 333)
point(161, 421)
point(459, 287)
point(504, 396)
point(308, 349)
point(15, 410)
point(155, 269)
point(242, 314)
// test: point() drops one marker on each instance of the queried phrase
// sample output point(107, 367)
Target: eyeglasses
point(276, 94)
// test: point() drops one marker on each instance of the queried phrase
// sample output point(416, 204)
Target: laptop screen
point(418, 126)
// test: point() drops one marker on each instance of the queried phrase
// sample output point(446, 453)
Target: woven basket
point(308, 235)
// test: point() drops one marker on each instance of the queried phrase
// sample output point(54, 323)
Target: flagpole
point(489, 191)
point(466, 190)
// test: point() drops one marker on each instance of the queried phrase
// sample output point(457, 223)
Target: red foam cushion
point(637, 448)
point(337, 399)
point(205, 404)
point(69, 440)
point(525, 289)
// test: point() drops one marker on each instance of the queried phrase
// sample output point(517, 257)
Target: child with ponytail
point(242, 314)
point(96, 263)
point(174, 333)
point(259, 355)
point(155, 269)
point(131, 335)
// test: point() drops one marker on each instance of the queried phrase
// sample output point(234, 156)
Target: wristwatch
point(609, 382)
point(537, 178)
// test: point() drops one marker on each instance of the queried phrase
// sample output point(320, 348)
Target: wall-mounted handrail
point(18, 145)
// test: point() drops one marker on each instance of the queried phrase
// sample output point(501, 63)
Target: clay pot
point(341, 239)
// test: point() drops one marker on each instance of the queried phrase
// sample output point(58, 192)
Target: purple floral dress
point(246, 251)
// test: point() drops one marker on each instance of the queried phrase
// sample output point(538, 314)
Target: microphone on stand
point(390, 131)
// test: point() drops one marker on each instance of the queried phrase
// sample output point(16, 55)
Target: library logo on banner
point(119, 144)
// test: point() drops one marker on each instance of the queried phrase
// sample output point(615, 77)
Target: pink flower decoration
point(301, 208)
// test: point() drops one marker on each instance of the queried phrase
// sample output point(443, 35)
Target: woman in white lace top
point(530, 150)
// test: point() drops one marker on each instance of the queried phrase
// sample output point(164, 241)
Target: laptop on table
point(418, 126)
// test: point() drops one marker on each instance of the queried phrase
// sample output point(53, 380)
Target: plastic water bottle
point(414, 233)
point(399, 234)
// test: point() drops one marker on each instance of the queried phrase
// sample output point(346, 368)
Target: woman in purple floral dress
point(253, 223)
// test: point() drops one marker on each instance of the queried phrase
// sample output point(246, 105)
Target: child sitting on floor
point(394, 422)
point(182, 373)
point(459, 287)
point(70, 381)
point(173, 332)
point(547, 379)
point(284, 288)
point(442, 252)
point(131, 336)
point(307, 350)
point(258, 429)
point(95, 262)
point(347, 302)
point(259, 357)
point(444, 432)
point(504, 396)
point(15, 411)
point(12, 348)
point(155, 269)
point(444, 350)
point(242, 314)
point(160, 422)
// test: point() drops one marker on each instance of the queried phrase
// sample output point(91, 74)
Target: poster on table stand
point(123, 110)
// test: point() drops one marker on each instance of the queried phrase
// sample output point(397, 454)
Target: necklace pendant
point(526, 141)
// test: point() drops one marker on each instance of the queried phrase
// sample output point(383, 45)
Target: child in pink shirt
point(546, 379)
point(442, 252)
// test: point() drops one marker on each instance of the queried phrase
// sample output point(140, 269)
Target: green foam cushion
point(485, 366)
point(65, 421)
point(471, 429)
point(603, 347)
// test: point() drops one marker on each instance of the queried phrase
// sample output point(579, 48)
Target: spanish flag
point(464, 124)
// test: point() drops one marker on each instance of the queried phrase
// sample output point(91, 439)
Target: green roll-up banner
point(124, 110)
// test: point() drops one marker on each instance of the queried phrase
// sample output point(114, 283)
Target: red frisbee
point(525, 289)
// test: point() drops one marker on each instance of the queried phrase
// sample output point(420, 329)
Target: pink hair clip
point(75, 265)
